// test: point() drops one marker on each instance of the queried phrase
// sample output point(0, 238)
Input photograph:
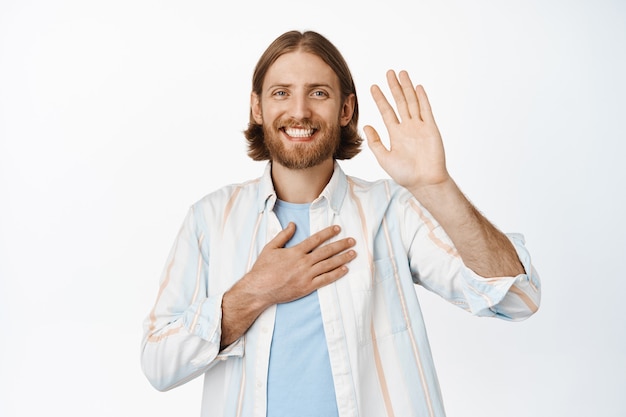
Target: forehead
point(300, 68)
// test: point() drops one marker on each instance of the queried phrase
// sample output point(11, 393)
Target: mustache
point(303, 123)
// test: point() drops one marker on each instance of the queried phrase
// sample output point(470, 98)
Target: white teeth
point(299, 133)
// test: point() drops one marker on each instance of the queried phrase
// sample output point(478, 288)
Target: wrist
point(249, 296)
point(433, 194)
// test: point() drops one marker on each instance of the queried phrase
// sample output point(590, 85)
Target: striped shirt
point(379, 354)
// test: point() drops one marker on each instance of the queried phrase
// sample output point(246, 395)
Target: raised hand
point(415, 158)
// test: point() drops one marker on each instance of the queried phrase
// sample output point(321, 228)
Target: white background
point(116, 116)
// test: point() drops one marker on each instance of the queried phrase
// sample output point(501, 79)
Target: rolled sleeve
point(511, 298)
point(205, 321)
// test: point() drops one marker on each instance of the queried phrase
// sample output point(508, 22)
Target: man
point(293, 294)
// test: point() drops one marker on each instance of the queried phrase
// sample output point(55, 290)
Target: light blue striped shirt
point(379, 354)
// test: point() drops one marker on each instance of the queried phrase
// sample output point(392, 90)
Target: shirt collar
point(333, 194)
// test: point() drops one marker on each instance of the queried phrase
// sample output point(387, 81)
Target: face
point(301, 110)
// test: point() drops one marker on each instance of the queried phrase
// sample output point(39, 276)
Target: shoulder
point(378, 191)
point(376, 200)
point(228, 192)
point(224, 199)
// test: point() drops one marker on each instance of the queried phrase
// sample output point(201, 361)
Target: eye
point(279, 93)
point(320, 94)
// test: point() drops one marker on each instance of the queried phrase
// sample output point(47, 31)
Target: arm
point(416, 160)
point(186, 331)
point(436, 265)
point(181, 333)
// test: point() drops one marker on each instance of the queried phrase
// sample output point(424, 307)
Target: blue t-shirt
point(299, 382)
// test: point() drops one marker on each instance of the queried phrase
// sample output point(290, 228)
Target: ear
point(255, 108)
point(347, 110)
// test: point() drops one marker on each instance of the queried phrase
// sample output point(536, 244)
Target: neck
point(301, 185)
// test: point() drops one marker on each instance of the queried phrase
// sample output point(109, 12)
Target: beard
point(302, 155)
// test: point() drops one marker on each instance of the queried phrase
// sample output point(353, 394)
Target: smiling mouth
point(299, 133)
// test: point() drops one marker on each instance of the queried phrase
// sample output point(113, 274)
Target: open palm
point(415, 157)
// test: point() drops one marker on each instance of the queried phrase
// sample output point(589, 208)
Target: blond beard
point(302, 155)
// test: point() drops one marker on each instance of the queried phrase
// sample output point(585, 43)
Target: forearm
point(240, 308)
point(483, 248)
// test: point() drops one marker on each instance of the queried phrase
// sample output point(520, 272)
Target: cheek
point(328, 114)
point(269, 113)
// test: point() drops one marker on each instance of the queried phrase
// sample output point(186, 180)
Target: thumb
point(374, 142)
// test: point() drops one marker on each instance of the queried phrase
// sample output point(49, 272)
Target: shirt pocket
point(377, 302)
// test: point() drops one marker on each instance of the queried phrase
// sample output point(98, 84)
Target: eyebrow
point(308, 85)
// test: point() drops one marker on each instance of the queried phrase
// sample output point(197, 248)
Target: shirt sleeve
point(182, 333)
point(437, 266)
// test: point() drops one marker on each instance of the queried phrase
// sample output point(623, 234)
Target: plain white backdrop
point(116, 116)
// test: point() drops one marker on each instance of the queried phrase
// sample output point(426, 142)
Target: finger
point(385, 109)
point(374, 142)
point(316, 239)
point(398, 93)
point(325, 252)
point(329, 277)
point(332, 263)
point(409, 94)
point(281, 239)
point(426, 113)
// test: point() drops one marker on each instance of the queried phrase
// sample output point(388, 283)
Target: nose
point(300, 108)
